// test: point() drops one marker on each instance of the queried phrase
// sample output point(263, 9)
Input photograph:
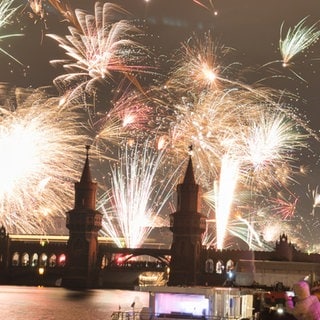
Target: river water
point(41, 303)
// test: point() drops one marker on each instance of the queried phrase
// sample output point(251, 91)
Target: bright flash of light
point(297, 39)
point(139, 193)
point(223, 196)
point(270, 138)
point(41, 145)
point(200, 64)
point(270, 143)
point(102, 46)
point(6, 13)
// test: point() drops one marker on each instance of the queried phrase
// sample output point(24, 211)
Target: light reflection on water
point(39, 303)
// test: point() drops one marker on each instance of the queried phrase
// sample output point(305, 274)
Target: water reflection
point(24, 303)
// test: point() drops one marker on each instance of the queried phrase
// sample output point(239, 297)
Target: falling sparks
point(209, 7)
point(101, 47)
point(36, 136)
point(224, 197)
point(297, 39)
point(137, 198)
point(6, 13)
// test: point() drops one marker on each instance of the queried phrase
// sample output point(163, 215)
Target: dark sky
point(251, 27)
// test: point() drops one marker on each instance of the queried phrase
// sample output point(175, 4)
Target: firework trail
point(243, 229)
point(209, 7)
point(6, 13)
point(223, 197)
point(137, 195)
point(66, 10)
point(103, 46)
point(315, 195)
point(296, 41)
point(42, 145)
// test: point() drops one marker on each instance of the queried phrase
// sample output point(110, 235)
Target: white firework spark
point(41, 146)
point(6, 13)
point(139, 193)
point(101, 47)
point(297, 39)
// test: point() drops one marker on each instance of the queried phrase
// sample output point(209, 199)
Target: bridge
point(41, 259)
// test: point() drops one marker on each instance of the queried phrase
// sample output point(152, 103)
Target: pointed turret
point(86, 172)
point(187, 226)
point(85, 190)
point(188, 192)
point(84, 223)
point(189, 175)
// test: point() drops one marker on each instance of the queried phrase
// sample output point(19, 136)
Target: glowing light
point(37, 8)
point(224, 196)
point(137, 196)
point(99, 48)
point(6, 13)
point(209, 7)
point(248, 127)
point(42, 144)
point(297, 39)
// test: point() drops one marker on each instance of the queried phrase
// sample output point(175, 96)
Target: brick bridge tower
point(84, 223)
point(187, 226)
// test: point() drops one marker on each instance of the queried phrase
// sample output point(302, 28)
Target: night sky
point(250, 27)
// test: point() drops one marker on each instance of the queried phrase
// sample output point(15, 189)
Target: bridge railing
point(138, 315)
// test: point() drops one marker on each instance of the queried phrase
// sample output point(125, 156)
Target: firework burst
point(42, 144)
point(101, 47)
point(297, 39)
point(252, 126)
point(138, 195)
point(128, 119)
point(6, 14)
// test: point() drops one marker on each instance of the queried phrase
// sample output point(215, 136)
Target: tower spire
point(187, 225)
point(85, 189)
point(189, 175)
point(84, 223)
point(86, 173)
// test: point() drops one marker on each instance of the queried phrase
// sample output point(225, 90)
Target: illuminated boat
point(174, 303)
